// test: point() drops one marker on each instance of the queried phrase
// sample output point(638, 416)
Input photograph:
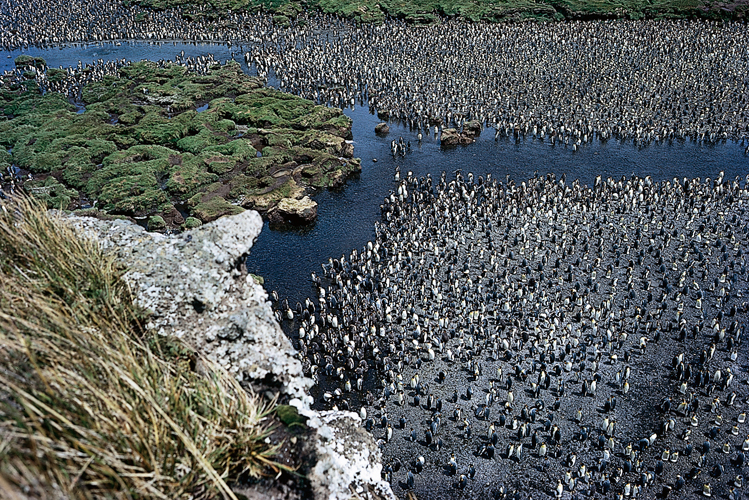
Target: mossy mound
point(159, 151)
point(51, 192)
point(192, 223)
point(24, 61)
point(214, 208)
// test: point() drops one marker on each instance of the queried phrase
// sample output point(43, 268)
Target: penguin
point(462, 481)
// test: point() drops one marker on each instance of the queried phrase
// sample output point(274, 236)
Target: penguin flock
point(543, 339)
point(566, 83)
point(502, 338)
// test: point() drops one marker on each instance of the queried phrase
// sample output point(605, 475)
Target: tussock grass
point(90, 405)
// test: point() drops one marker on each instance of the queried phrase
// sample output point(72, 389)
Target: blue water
point(70, 54)
point(346, 217)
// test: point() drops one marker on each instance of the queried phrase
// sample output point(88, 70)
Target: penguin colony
point(565, 83)
point(543, 339)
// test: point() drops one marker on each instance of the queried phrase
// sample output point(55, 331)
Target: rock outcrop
point(196, 288)
point(292, 211)
point(472, 128)
point(348, 460)
point(382, 128)
point(451, 137)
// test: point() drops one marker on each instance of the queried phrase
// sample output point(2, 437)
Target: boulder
point(472, 128)
point(347, 150)
point(293, 211)
point(382, 128)
point(156, 223)
point(451, 137)
point(349, 463)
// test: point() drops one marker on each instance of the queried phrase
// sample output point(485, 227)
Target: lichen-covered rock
point(291, 211)
point(348, 461)
point(194, 288)
point(191, 284)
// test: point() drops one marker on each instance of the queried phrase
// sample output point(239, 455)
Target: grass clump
point(91, 406)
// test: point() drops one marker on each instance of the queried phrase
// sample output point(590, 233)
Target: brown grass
point(90, 405)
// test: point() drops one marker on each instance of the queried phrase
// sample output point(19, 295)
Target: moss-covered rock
point(214, 208)
point(156, 223)
point(51, 192)
point(192, 223)
point(141, 147)
point(289, 415)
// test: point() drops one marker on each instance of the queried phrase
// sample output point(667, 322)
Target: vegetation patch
point(93, 406)
point(160, 151)
point(430, 11)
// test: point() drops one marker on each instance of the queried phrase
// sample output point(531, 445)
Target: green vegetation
point(92, 406)
point(428, 11)
point(141, 147)
point(289, 415)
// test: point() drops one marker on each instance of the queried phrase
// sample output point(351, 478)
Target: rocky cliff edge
point(195, 286)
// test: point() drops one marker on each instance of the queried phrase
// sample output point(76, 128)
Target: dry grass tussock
point(90, 405)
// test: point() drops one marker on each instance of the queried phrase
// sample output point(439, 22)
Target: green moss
point(430, 11)
point(214, 208)
point(188, 174)
point(24, 61)
point(55, 75)
point(156, 223)
point(192, 223)
point(282, 21)
point(242, 185)
point(289, 415)
point(257, 279)
point(51, 192)
point(141, 147)
point(218, 163)
point(194, 144)
point(240, 149)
